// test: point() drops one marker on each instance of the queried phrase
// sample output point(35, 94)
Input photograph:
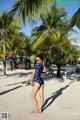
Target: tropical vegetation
point(51, 38)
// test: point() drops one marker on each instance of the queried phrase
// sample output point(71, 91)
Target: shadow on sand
point(53, 96)
point(11, 89)
point(19, 74)
point(4, 92)
point(24, 82)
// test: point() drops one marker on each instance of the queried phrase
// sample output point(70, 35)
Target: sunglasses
point(37, 60)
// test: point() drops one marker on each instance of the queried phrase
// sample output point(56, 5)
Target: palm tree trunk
point(11, 63)
point(4, 50)
point(25, 59)
point(29, 64)
point(58, 71)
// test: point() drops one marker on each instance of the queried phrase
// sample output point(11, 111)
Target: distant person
point(37, 84)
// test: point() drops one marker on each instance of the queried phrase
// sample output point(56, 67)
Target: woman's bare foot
point(40, 111)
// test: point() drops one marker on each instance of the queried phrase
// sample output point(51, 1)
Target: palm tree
point(63, 52)
point(58, 48)
point(15, 46)
point(5, 21)
point(8, 30)
point(26, 49)
point(51, 22)
point(53, 34)
point(54, 19)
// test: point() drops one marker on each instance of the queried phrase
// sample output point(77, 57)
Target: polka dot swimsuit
point(38, 71)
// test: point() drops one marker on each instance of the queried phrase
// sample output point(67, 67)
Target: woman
point(37, 84)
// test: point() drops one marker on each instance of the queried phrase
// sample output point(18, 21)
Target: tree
point(63, 53)
point(53, 34)
point(14, 46)
point(56, 18)
point(5, 21)
point(26, 49)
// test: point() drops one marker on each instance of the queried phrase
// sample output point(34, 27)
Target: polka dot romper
point(38, 70)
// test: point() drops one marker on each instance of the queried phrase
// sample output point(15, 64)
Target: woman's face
point(39, 60)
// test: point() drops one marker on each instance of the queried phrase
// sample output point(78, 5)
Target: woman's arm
point(32, 77)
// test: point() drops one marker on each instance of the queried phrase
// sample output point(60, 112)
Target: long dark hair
point(40, 56)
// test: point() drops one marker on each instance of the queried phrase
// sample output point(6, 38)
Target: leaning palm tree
point(53, 34)
point(54, 20)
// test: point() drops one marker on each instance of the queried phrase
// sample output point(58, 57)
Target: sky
point(70, 6)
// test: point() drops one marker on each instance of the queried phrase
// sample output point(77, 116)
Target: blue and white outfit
point(38, 70)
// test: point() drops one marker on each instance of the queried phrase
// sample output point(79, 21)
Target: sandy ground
point(62, 99)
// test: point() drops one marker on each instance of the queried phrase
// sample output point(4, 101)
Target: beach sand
point(62, 99)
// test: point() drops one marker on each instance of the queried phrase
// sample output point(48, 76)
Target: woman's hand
point(31, 82)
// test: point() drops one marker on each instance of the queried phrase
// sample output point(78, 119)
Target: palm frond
point(40, 40)
point(27, 9)
point(75, 20)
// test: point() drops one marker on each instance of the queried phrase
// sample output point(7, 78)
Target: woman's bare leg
point(41, 96)
point(34, 100)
